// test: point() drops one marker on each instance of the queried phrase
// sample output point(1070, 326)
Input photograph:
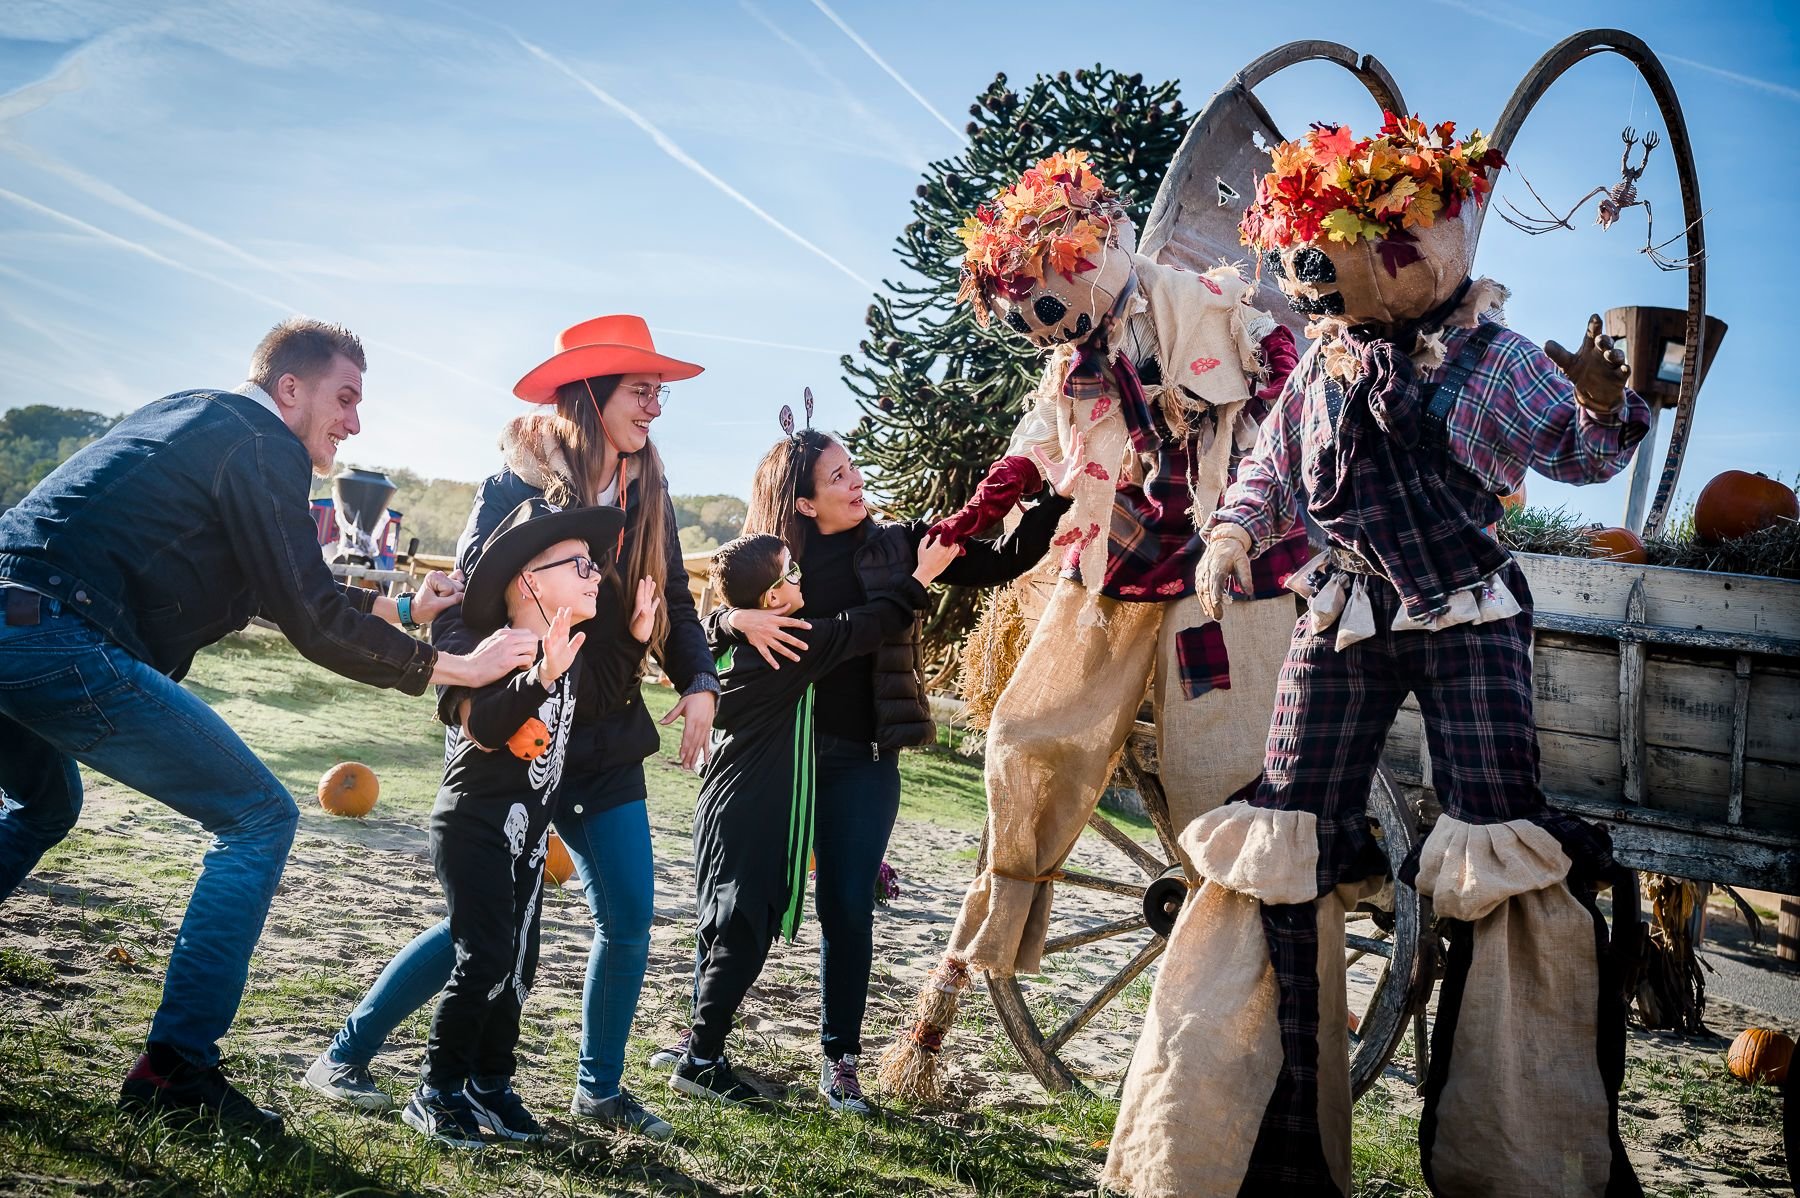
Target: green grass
point(73, 1014)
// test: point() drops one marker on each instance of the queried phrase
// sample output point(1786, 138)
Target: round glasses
point(644, 393)
point(585, 566)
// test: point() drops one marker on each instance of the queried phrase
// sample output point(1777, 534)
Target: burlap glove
point(1598, 371)
point(1227, 557)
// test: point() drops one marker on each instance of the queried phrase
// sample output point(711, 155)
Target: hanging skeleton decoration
point(1613, 201)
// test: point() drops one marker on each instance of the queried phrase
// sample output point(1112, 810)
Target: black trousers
point(730, 956)
point(494, 894)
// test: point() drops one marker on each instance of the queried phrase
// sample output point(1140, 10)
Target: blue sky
point(457, 183)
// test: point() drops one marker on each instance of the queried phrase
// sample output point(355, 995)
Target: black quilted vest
point(886, 557)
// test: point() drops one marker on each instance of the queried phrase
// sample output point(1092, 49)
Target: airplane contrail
point(175, 264)
point(1546, 30)
point(881, 62)
point(668, 146)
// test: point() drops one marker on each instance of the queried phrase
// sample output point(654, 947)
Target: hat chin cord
point(620, 454)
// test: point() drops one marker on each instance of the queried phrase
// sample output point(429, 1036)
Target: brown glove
point(1597, 369)
point(1227, 557)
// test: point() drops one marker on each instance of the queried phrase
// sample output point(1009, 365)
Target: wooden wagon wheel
point(1386, 948)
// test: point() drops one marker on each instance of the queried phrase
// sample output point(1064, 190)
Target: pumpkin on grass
point(559, 867)
point(349, 788)
point(1736, 504)
point(1760, 1055)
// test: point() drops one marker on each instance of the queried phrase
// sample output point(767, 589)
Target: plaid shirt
point(1153, 547)
point(1516, 412)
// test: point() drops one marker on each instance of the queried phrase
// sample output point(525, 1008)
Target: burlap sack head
point(1060, 310)
point(1364, 282)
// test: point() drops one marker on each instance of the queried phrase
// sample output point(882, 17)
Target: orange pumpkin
point(1616, 545)
point(1760, 1055)
point(559, 867)
point(1736, 504)
point(349, 788)
point(530, 741)
point(1514, 501)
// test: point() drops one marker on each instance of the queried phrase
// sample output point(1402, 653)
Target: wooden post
point(1787, 930)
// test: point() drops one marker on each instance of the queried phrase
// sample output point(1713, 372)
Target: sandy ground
point(355, 891)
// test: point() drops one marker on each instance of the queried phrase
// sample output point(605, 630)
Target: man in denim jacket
point(186, 519)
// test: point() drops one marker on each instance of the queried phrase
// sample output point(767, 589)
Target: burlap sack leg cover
point(1528, 1050)
point(1210, 746)
point(1051, 744)
point(1241, 1083)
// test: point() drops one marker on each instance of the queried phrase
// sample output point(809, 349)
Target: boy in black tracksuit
point(489, 826)
point(753, 825)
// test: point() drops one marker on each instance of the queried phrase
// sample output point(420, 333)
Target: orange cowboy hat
point(603, 345)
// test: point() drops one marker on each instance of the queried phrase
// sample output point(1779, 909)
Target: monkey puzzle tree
point(939, 394)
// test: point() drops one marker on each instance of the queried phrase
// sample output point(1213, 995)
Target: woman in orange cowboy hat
point(601, 390)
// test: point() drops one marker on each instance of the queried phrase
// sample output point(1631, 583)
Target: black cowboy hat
point(527, 531)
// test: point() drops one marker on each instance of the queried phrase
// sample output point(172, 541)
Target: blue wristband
point(404, 603)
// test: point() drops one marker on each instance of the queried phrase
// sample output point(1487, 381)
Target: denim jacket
point(187, 518)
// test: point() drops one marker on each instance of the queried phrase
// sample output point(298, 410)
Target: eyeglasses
point(585, 566)
point(792, 573)
point(644, 393)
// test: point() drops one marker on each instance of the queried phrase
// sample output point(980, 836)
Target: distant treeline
point(34, 441)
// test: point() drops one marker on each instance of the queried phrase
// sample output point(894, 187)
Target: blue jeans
point(611, 849)
point(67, 695)
point(858, 801)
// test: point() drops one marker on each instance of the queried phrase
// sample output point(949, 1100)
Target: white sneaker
point(349, 1084)
point(837, 1082)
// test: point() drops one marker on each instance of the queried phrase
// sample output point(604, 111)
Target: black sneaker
point(445, 1117)
point(501, 1112)
point(189, 1093)
point(715, 1080)
point(669, 1054)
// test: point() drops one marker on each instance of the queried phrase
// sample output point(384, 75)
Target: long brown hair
point(579, 404)
point(784, 476)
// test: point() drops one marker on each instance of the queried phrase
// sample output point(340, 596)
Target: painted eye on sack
point(1273, 264)
point(1313, 265)
point(1015, 320)
point(1049, 309)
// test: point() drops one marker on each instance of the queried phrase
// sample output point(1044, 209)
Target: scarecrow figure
point(1151, 384)
point(1412, 411)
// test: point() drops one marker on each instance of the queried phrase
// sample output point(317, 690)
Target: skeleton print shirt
point(504, 760)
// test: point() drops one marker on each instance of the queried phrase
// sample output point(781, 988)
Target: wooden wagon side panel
point(1701, 674)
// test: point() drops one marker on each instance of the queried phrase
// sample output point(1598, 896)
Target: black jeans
point(494, 896)
point(858, 801)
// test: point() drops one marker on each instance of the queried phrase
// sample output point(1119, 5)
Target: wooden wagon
point(1667, 701)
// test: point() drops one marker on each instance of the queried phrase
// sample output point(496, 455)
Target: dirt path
point(354, 892)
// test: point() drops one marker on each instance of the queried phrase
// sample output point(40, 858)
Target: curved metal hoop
point(1531, 89)
point(1365, 67)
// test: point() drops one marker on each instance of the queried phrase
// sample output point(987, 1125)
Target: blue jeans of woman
point(611, 850)
point(69, 694)
point(857, 803)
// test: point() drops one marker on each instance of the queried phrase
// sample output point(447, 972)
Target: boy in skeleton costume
point(1410, 414)
point(1150, 386)
point(489, 827)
